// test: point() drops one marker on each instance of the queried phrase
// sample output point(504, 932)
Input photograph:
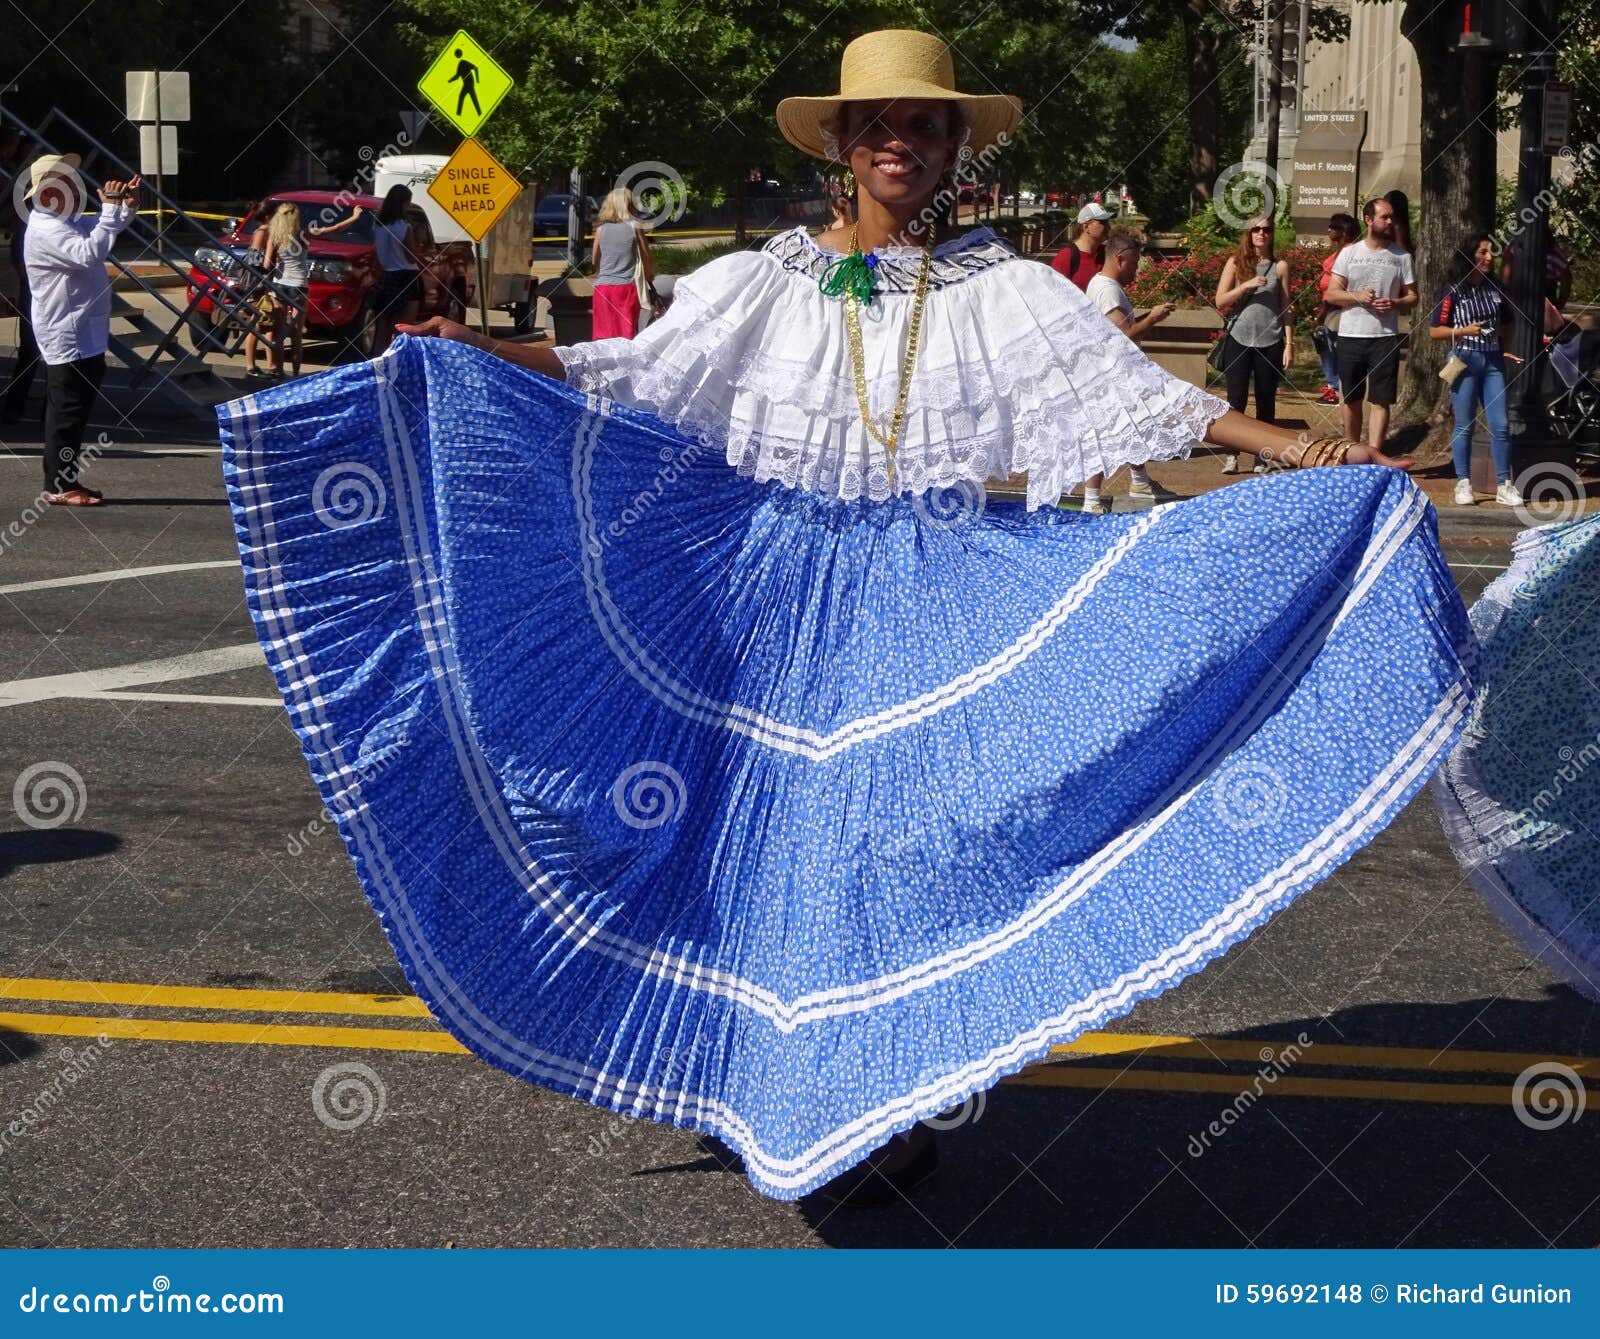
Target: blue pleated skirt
point(1520, 794)
point(796, 820)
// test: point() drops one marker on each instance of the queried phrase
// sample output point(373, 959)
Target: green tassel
point(850, 274)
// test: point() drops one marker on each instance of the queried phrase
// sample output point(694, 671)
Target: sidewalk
point(1202, 473)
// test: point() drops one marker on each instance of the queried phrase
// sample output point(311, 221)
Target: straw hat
point(45, 164)
point(897, 63)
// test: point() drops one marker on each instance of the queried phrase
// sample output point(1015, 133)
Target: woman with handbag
point(1258, 340)
point(262, 298)
point(1471, 313)
point(623, 268)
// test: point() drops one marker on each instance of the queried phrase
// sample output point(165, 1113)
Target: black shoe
point(889, 1175)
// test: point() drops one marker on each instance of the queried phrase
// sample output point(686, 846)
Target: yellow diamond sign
point(465, 83)
point(474, 188)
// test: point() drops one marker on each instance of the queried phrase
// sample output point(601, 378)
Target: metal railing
point(236, 313)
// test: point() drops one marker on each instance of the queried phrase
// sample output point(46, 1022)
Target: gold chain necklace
point(858, 359)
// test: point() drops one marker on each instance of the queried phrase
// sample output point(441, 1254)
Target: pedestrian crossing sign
point(464, 83)
point(474, 189)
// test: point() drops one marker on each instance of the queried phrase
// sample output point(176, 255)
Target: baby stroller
point(1572, 391)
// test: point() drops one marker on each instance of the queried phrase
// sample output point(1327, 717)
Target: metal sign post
point(161, 97)
point(483, 290)
point(465, 84)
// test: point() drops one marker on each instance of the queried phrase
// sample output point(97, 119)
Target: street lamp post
point(1525, 410)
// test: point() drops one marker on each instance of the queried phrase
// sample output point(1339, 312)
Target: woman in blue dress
point(1520, 793)
point(712, 748)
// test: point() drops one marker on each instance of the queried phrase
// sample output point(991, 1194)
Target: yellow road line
point(1134, 1046)
point(203, 997)
point(1040, 1076)
point(1287, 1085)
point(1344, 1057)
point(246, 1034)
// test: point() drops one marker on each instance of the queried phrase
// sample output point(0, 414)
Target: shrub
point(1191, 282)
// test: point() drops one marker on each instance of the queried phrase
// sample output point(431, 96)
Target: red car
point(342, 268)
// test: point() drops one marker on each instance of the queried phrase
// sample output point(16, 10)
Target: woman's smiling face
point(899, 149)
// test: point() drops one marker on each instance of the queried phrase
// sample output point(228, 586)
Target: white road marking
point(214, 699)
point(115, 574)
point(132, 452)
point(93, 682)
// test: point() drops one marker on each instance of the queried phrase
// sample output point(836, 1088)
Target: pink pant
point(616, 311)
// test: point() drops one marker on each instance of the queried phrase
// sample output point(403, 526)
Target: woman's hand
point(1288, 355)
point(439, 327)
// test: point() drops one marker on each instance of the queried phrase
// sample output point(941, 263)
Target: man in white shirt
point(1371, 283)
point(65, 256)
point(1106, 291)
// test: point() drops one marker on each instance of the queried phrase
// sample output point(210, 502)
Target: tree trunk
point(1458, 182)
point(1274, 86)
point(1200, 43)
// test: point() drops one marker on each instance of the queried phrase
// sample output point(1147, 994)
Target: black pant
point(1242, 364)
point(69, 391)
point(21, 382)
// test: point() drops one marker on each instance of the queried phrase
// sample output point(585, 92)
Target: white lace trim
point(1018, 374)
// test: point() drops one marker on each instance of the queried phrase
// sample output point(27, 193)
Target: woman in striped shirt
point(1471, 313)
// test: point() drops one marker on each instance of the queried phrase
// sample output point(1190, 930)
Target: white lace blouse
point(1018, 373)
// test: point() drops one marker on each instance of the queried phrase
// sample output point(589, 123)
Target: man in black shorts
point(1371, 283)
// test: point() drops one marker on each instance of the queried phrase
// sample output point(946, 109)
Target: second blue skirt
point(795, 820)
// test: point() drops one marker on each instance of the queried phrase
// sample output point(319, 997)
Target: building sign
point(1327, 169)
point(1557, 116)
point(474, 189)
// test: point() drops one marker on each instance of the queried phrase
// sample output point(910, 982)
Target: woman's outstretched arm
point(1240, 432)
point(541, 358)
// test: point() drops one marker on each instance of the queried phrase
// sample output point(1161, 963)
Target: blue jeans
point(1484, 380)
point(1326, 344)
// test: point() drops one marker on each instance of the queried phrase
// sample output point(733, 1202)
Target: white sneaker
point(1464, 495)
point(1507, 496)
point(1230, 464)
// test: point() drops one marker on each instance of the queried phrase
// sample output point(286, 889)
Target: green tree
point(1216, 40)
point(609, 84)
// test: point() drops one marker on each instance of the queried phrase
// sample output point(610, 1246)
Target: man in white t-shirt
point(1106, 291)
point(1371, 283)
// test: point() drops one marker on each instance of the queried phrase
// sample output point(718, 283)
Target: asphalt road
point(199, 864)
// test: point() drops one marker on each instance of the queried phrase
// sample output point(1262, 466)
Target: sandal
point(75, 497)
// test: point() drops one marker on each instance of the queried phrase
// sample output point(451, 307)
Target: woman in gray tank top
point(1258, 344)
point(619, 249)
